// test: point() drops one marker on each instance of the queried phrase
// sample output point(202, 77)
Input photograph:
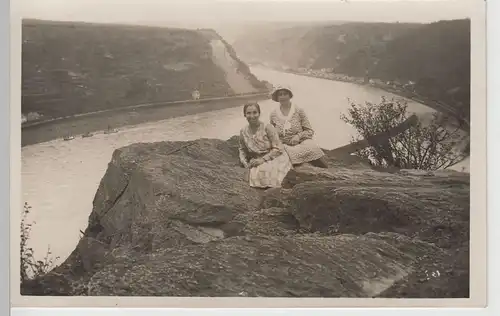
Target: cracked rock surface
point(177, 219)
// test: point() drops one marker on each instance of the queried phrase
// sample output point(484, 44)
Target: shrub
point(429, 144)
point(30, 266)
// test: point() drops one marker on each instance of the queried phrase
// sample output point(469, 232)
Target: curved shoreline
point(44, 131)
point(433, 104)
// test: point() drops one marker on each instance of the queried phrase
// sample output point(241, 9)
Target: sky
point(207, 13)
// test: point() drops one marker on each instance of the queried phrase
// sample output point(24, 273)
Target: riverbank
point(401, 92)
point(39, 132)
point(125, 65)
point(436, 105)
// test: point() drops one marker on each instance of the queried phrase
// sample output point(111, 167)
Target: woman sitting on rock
point(261, 151)
point(295, 131)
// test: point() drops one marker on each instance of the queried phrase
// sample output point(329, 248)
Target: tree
point(431, 143)
point(30, 267)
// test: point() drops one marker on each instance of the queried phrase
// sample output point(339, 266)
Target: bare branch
point(427, 145)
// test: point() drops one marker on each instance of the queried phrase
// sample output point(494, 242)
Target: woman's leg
point(307, 152)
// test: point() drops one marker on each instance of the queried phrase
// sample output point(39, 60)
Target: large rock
point(178, 219)
point(156, 195)
point(303, 266)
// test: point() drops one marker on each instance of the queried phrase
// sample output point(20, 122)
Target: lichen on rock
point(177, 219)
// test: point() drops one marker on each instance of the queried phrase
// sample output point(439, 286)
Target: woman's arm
point(308, 131)
point(243, 151)
point(272, 119)
point(276, 145)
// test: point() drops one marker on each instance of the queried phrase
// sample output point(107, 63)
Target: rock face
point(177, 219)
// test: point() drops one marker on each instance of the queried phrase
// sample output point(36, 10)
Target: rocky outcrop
point(177, 219)
point(226, 57)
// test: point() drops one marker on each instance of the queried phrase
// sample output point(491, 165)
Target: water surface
point(60, 178)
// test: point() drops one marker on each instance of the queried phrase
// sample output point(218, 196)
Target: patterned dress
point(264, 144)
point(296, 123)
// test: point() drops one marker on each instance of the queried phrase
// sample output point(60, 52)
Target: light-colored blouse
point(265, 143)
point(298, 125)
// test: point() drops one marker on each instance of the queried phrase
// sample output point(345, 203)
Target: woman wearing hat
point(261, 151)
point(295, 130)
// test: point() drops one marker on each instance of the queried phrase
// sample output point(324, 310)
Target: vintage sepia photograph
point(248, 149)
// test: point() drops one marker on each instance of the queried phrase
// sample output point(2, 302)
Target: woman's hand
point(256, 162)
point(295, 140)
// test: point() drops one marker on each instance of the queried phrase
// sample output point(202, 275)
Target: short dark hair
point(245, 107)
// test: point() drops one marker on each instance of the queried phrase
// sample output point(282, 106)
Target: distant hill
point(314, 45)
point(435, 56)
point(72, 68)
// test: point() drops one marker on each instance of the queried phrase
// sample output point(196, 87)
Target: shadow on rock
point(177, 219)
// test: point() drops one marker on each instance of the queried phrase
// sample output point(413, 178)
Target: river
point(60, 178)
